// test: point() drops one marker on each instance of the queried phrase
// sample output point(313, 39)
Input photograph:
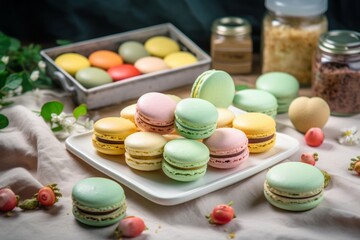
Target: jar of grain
point(336, 71)
point(231, 45)
point(291, 30)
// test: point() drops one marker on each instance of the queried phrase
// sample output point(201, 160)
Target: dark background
point(46, 21)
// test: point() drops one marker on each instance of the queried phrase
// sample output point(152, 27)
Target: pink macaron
point(155, 113)
point(228, 148)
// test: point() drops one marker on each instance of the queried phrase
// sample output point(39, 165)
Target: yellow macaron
point(110, 133)
point(259, 128)
point(225, 118)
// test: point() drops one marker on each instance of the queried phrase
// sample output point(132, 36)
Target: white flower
point(10, 94)
point(35, 75)
point(42, 65)
point(88, 124)
point(349, 137)
point(18, 90)
point(5, 59)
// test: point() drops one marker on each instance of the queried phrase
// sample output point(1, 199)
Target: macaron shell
point(131, 51)
point(105, 59)
point(123, 71)
point(72, 62)
point(145, 144)
point(260, 130)
point(150, 64)
point(93, 199)
point(179, 59)
point(160, 46)
point(144, 164)
point(225, 118)
point(128, 112)
point(228, 147)
point(92, 77)
point(294, 186)
point(282, 85)
point(216, 87)
point(255, 100)
point(183, 175)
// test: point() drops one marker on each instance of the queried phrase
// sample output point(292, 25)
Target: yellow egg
point(160, 46)
point(179, 59)
point(72, 62)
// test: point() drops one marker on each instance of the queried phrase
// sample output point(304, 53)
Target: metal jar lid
point(340, 42)
point(231, 26)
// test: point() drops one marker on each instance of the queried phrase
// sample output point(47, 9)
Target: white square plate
point(157, 187)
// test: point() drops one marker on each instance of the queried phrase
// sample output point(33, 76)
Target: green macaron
point(214, 86)
point(282, 85)
point(255, 100)
point(98, 201)
point(195, 118)
point(294, 186)
point(185, 159)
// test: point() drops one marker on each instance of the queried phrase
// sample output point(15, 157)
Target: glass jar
point(336, 71)
point(231, 45)
point(291, 30)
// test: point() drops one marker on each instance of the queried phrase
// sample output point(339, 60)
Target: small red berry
point(314, 137)
point(46, 196)
point(222, 214)
point(130, 227)
point(309, 158)
point(8, 200)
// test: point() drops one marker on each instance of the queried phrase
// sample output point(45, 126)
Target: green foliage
point(4, 121)
point(51, 107)
point(79, 111)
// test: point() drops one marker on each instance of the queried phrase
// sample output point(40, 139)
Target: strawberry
point(48, 195)
point(8, 200)
point(355, 165)
point(309, 158)
point(314, 137)
point(221, 214)
point(130, 227)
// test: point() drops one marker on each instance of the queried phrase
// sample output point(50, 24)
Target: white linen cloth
point(31, 156)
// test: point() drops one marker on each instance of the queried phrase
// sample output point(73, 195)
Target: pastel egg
point(72, 62)
point(179, 59)
point(123, 71)
point(150, 64)
point(131, 51)
point(105, 59)
point(160, 46)
point(92, 77)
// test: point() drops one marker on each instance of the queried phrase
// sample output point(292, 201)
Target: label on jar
point(232, 61)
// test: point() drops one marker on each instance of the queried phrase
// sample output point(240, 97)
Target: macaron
point(228, 148)
point(260, 130)
point(92, 77)
point(128, 112)
point(98, 202)
point(110, 133)
point(155, 113)
point(195, 118)
point(131, 51)
point(150, 64)
point(255, 100)
point(283, 86)
point(225, 117)
point(294, 186)
point(185, 159)
point(105, 59)
point(144, 151)
point(123, 71)
point(72, 62)
point(214, 86)
point(180, 59)
point(161, 46)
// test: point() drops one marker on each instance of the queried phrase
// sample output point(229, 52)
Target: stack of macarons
point(130, 60)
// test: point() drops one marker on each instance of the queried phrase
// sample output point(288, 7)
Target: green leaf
point(80, 110)
point(241, 87)
point(4, 121)
point(51, 107)
point(63, 42)
point(15, 44)
point(57, 129)
point(2, 66)
point(13, 81)
point(4, 44)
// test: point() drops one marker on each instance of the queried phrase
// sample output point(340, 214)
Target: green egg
point(92, 77)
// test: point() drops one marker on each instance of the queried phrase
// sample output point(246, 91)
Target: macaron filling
point(261, 140)
point(108, 141)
